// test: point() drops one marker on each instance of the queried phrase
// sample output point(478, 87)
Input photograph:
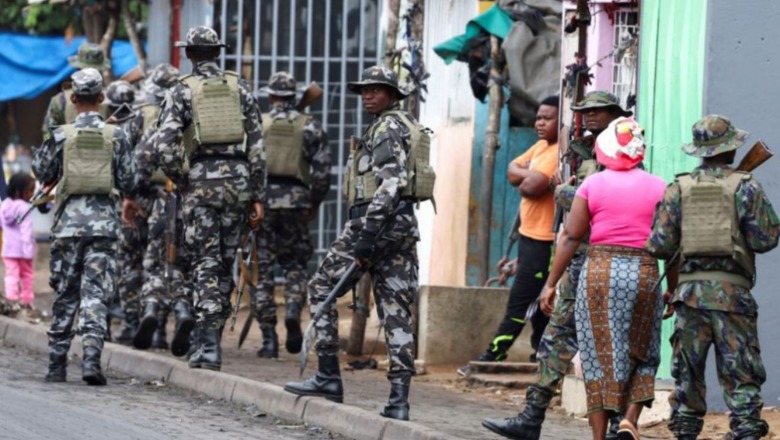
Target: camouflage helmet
point(87, 82)
point(164, 75)
point(280, 84)
point(119, 92)
point(89, 55)
point(714, 135)
point(201, 36)
point(600, 99)
point(377, 75)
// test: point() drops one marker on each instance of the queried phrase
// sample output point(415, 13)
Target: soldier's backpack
point(216, 112)
point(283, 140)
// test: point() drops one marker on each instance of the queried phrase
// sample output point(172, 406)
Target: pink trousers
point(19, 271)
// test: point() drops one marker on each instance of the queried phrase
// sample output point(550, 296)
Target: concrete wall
point(741, 82)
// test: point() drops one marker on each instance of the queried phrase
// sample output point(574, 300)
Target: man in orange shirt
point(531, 174)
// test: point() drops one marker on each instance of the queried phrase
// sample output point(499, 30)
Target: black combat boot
point(129, 329)
point(398, 404)
point(270, 347)
point(326, 382)
point(184, 324)
point(292, 322)
point(58, 363)
point(90, 367)
point(194, 342)
point(209, 353)
point(160, 336)
point(143, 337)
point(528, 424)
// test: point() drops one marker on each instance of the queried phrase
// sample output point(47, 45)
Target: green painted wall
point(670, 97)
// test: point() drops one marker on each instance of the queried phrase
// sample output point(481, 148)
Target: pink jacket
point(18, 240)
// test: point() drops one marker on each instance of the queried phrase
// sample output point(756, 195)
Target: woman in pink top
point(18, 240)
point(618, 316)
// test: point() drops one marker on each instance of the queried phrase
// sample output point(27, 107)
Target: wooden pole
point(129, 21)
point(489, 161)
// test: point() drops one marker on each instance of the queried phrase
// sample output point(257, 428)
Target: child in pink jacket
point(18, 240)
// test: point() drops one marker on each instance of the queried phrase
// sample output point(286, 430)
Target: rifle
point(251, 262)
point(514, 235)
point(171, 209)
point(39, 198)
point(244, 277)
point(758, 154)
point(312, 93)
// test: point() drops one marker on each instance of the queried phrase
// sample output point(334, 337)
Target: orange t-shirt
point(537, 215)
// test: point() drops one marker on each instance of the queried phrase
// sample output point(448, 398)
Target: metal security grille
point(624, 62)
point(330, 42)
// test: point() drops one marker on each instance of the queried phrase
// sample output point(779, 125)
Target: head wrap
point(621, 146)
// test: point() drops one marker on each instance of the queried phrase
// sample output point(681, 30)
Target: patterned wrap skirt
point(618, 323)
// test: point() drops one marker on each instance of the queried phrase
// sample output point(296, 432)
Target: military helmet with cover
point(280, 84)
point(87, 82)
point(201, 36)
point(89, 55)
point(377, 75)
point(600, 99)
point(714, 135)
point(120, 92)
point(161, 77)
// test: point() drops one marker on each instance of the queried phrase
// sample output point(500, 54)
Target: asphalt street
point(128, 408)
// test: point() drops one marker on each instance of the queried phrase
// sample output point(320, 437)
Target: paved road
point(125, 409)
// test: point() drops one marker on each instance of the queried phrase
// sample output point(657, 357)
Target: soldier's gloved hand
point(364, 247)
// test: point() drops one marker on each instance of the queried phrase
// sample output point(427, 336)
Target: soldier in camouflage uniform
point(298, 180)
point(86, 229)
point(713, 302)
point(559, 342)
point(61, 109)
point(225, 181)
point(120, 97)
point(381, 237)
point(169, 292)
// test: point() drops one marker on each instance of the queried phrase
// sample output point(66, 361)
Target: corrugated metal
point(671, 77)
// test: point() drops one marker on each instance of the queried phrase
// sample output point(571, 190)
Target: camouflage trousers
point(559, 342)
point(212, 236)
point(155, 286)
point(283, 240)
point(740, 370)
point(393, 269)
point(83, 271)
point(130, 257)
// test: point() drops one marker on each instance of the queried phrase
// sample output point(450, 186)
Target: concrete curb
point(349, 421)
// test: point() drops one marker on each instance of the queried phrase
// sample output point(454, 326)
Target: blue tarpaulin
point(29, 65)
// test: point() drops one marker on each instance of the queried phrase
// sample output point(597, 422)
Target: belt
point(204, 157)
point(405, 206)
point(716, 275)
point(285, 180)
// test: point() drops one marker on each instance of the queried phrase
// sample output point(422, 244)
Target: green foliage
point(41, 19)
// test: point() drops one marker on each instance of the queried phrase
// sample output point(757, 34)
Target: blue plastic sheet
point(30, 65)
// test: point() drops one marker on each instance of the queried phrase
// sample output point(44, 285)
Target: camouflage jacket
point(132, 124)
point(758, 223)
point(55, 113)
point(85, 215)
point(386, 141)
point(316, 151)
point(579, 151)
point(208, 179)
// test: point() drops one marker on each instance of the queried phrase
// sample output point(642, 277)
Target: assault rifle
point(39, 198)
point(758, 154)
point(171, 210)
point(245, 257)
point(312, 93)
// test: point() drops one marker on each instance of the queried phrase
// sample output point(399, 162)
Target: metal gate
point(328, 41)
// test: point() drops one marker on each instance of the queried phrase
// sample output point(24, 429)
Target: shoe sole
point(181, 337)
point(626, 434)
point(55, 379)
point(294, 336)
point(495, 430)
point(94, 379)
point(143, 338)
point(212, 367)
point(332, 398)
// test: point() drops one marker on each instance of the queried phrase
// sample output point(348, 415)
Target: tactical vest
point(283, 140)
point(71, 112)
point(87, 166)
point(150, 113)
point(216, 112)
point(710, 226)
point(420, 175)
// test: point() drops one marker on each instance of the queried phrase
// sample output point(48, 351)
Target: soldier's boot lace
point(184, 324)
point(91, 372)
point(326, 382)
point(129, 329)
point(160, 336)
point(58, 363)
point(209, 354)
point(528, 424)
point(397, 406)
point(292, 322)
point(143, 337)
point(270, 347)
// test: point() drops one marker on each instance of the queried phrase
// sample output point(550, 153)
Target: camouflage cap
point(600, 99)
point(377, 75)
point(87, 82)
point(714, 135)
point(119, 92)
point(280, 84)
point(164, 75)
point(202, 36)
point(89, 55)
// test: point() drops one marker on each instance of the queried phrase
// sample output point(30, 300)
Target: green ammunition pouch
point(283, 140)
point(71, 112)
point(87, 166)
point(710, 226)
point(421, 176)
point(587, 168)
point(216, 112)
